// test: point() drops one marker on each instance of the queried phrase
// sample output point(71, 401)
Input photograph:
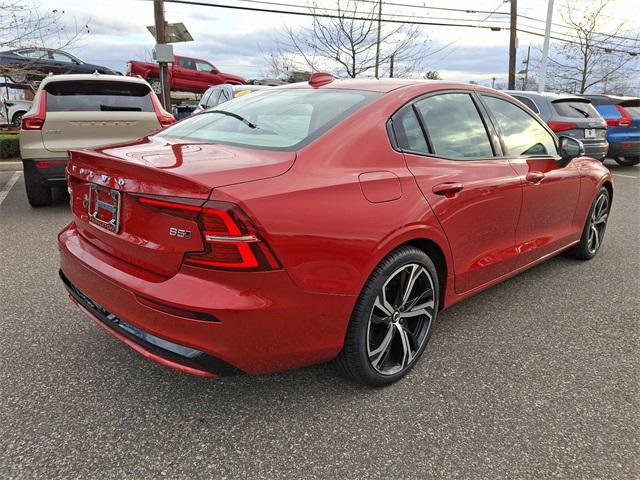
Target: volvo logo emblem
point(121, 182)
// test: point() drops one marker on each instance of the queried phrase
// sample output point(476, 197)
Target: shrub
point(9, 146)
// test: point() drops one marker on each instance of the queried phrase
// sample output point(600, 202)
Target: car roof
point(382, 85)
point(83, 77)
point(548, 95)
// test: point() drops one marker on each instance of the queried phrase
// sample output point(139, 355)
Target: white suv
point(80, 111)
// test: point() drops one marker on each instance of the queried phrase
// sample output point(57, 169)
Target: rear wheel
point(594, 228)
point(627, 161)
point(39, 195)
point(393, 318)
point(17, 119)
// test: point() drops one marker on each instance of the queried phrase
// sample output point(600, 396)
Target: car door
point(476, 195)
point(185, 74)
point(551, 187)
point(207, 74)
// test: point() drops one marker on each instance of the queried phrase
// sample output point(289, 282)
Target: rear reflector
point(180, 312)
point(624, 120)
point(562, 126)
point(35, 121)
point(231, 239)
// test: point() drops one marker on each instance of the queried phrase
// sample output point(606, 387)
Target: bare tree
point(601, 54)
point(345, 42)
point(23, 23)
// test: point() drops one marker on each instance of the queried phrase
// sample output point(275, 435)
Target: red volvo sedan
point(318, 221)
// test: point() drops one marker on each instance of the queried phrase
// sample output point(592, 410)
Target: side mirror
point(570, 148)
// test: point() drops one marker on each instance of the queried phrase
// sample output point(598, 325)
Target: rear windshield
point(575, 109)
point(273, 119)
point(96, 96)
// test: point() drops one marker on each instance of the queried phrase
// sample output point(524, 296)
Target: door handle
point(448, 189)
point(534, 177)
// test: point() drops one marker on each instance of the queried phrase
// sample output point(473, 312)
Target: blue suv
point(623, 126)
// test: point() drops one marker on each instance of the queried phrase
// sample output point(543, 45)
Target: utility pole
point(161, 38)
point(512, 44)
point(526, 69)
point(378, 41)
point(545, 48)
point(391, 62)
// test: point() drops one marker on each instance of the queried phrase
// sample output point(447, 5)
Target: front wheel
point(393, 318)
point(627, 161)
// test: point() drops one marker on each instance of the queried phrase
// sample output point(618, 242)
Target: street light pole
point(545, 48)
point(161, 38)
point(512, 44)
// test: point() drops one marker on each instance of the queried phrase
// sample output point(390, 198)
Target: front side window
point(61, 57)
point(455, 127)
point(276, 119)
point(203, 67)
point(521, 133)
point(96, 96)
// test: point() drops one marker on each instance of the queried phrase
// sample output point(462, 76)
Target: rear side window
point(454, 126)
point(528, 102)
point(575, 109)
point(408, 132)
point(98, 96)
point(521, 133)
point(275, 120)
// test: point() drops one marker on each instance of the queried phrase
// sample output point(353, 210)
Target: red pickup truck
point(185, 74)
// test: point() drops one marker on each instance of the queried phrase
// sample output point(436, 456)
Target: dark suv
point(623, 120)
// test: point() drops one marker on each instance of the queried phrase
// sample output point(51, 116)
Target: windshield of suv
point(272, 119)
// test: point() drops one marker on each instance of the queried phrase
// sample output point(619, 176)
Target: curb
point(10, 166)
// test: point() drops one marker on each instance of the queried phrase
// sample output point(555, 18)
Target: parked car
point(79, 111)
point(569, 115)
point(11, 111)
point(623, 119)
point(282, 79)
point(223, 93)
point(321, 220)
point(185, 74)
point(33, 64)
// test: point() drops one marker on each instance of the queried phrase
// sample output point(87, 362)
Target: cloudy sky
point(235, 40)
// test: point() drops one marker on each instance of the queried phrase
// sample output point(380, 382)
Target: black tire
point(17, 119)
point(585, 249)
point(627, 161)
point(155, 84)
point(408, 336)
point(39, 195)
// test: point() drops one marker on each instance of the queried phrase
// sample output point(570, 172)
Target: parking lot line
point(12, 181)
point(625, 176)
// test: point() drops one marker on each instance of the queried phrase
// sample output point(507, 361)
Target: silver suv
point(80, 111)
point(569, 115)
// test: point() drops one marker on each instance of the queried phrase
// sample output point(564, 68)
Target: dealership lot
point(534, 378)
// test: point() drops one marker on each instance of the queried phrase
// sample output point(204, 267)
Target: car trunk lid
point(115, 178)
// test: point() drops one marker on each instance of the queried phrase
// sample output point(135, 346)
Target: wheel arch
point(609, 186)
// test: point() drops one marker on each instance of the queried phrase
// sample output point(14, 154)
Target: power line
point(570, 39)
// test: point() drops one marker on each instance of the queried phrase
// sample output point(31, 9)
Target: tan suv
point(80, 111)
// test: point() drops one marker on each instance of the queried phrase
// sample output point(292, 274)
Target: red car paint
point(329, 213)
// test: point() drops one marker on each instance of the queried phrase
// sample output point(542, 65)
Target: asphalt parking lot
point(535, 378)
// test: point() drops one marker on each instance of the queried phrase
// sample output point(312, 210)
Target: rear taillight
point(562, 126)
point(231, 240)
point(624, 120)
point(35, 121)
point(164, 118)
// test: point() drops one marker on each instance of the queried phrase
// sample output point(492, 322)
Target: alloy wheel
point(400, 319)
point(598, 223)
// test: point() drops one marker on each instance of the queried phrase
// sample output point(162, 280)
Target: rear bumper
point(49, 171)
point(624, 149)
point(596, 150)
point(265, 323)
